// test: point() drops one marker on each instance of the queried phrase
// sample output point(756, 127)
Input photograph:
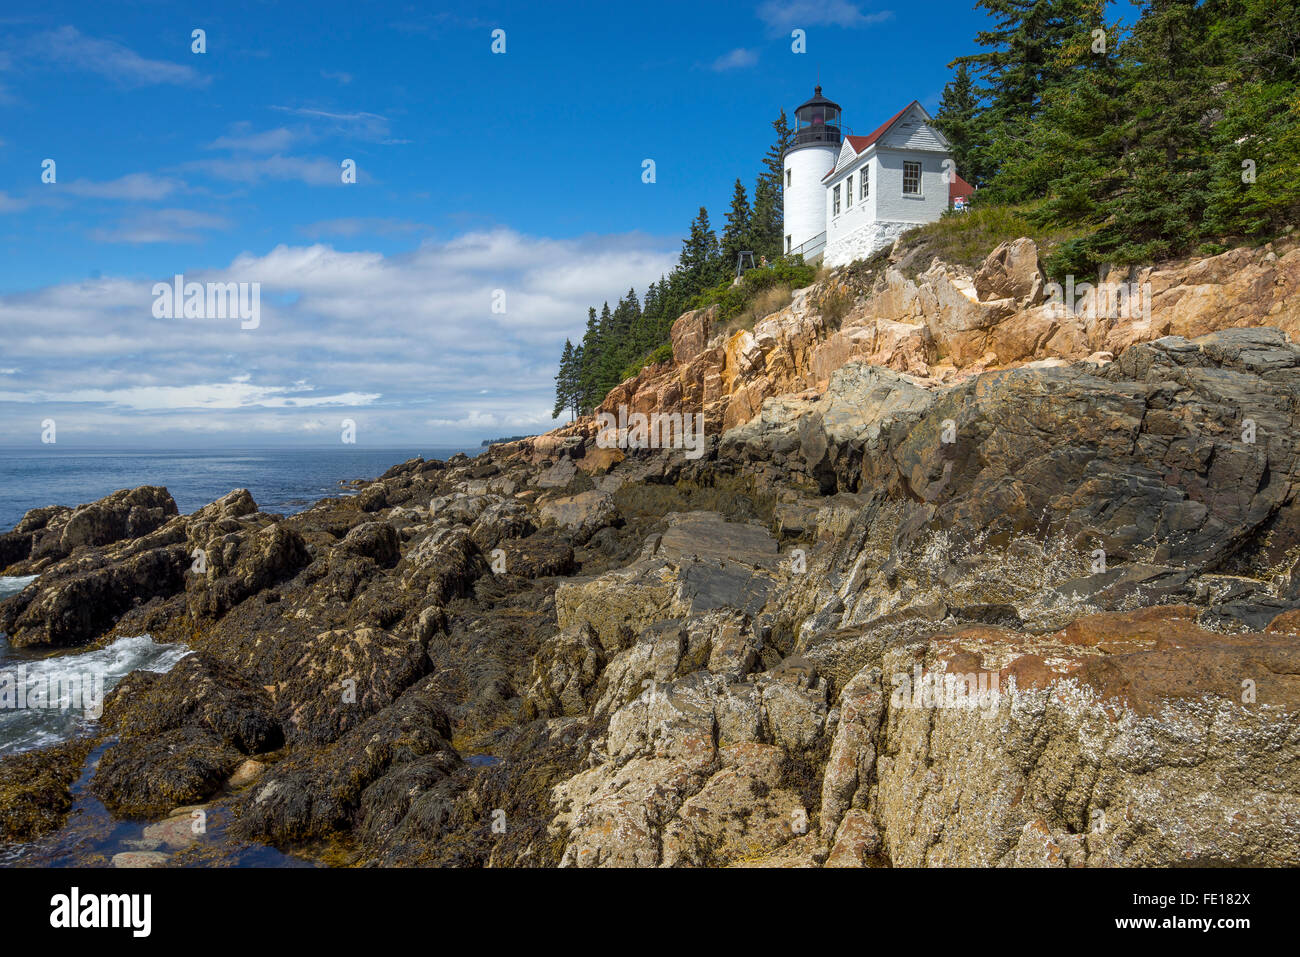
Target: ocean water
point(283, 481)
point(60, 690)
point(45, 700)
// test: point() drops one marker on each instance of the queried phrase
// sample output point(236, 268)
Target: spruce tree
point(564, 381)
point(586, 369)
point(1161, 202)
point(1018, 67)
point(735, 236)
point(956, 119)
point(767, 214)
point(1255, 171)
point(699, 257)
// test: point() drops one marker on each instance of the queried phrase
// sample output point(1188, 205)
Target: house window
point(835, 206)
point(863, 180)
point(787, 179)
point(789, 247)
point(848, 192)
point(911, 178)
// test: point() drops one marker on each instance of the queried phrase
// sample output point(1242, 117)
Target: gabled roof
point(959, 187)
point(862, 143)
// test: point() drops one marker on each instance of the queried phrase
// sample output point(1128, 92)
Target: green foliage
point(619, 342)
point(662, 353)
point(767, 216)
point(956, 119)
point(733, 297)
point(967, 238)
point(566, 382)
point(1128, 145)
point(1106, 143)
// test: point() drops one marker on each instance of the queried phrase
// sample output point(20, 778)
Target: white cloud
point(268, 169)
point(160, 226)
point(214, 395)
point(268, 141)
point(356, 125)
point(134, 186)
point(69, 48)
point(787, 14)
point(408, 343)
point(735, 60)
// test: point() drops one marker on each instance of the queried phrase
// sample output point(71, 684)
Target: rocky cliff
point(947, 323)
point(961, 581)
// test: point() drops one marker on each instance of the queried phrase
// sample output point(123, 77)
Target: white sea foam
point(58, 717)
point(12, 585)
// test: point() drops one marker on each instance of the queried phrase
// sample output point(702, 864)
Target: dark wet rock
point(443, 564)
point(35, 788)
point(316, 792)
point(373, 498)
point(76, 602)
point(374, 540)
point(1143, 458)
point(501, 521)
point(333, 681)
point(539, 556)
point(244, 566)
point(565, 671)
point(129, 513)
point(198, 692)
point(149, 776)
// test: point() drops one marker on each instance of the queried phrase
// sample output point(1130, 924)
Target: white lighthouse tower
point(810, 157)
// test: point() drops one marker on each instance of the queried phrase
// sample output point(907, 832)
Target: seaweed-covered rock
point(149, 776)
point(35, 788)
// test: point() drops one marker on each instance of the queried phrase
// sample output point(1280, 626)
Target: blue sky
point(476, 172)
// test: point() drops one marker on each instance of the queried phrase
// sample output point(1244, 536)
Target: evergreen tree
point(774, 160)
point(1161, 202)
point(699, 257)
point(564, 381)
point(1019, 66)
point(956, 119)
point(575, 385)
point(1258, 135)
point(736, 234)
point(767, 214)
point(587, 385)
point(1075, 149)
point(766, 232)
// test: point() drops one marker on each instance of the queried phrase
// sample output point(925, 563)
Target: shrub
point(662, 353)
point(733, 299)
point(967, 238)
point(768, 301)
point(835, 306)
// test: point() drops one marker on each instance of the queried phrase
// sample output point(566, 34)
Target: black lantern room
point(817, 122)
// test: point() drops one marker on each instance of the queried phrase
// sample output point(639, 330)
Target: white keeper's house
point(847, 197)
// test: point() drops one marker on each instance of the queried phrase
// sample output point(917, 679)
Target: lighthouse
point(809, 158)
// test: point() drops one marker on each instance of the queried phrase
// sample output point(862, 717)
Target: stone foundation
point(863, 242)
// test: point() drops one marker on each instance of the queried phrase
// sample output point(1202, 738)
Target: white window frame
point(835, 200)
point(848, 193)
point(865, 186)
point(917, 191)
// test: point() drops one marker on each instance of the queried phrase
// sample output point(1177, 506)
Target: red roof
point(959, 187)
point(860, 143)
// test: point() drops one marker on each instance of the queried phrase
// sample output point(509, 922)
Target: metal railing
point(811, 248)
